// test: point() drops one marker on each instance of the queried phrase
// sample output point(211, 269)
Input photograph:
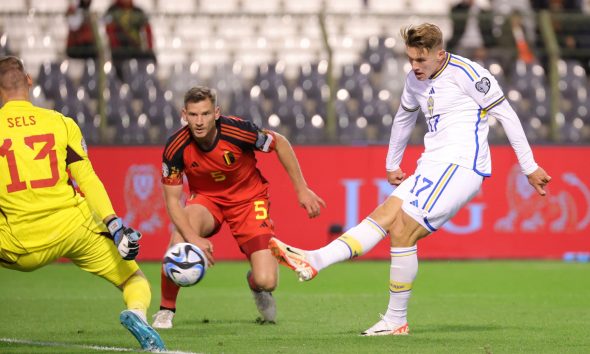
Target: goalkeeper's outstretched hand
point(126, 239)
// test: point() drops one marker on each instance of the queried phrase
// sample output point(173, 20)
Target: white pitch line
point(79, 346)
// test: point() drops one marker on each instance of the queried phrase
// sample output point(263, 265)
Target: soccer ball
point(185, 264)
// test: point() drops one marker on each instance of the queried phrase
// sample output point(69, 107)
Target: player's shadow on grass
point(444, 328)
point(221, 322)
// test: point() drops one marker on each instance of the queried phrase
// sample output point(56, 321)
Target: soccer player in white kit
point(456, 96)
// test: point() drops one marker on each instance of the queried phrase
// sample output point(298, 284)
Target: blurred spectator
point(81, 31)
point(512, 42)
point(129, 32)
point(572, 28)
point(507, 9)
point(524, 51)
point(471, 30)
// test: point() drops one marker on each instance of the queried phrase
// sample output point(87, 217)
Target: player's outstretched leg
point(147, 337)
point(163, 319)
point(385, 328)
point(294, 258)
point(265, 302)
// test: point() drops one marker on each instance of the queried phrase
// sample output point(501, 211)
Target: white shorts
point(436, 191)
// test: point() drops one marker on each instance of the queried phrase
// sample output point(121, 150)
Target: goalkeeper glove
point(126, 239)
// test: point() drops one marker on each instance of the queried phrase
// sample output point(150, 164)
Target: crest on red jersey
point(229, 158)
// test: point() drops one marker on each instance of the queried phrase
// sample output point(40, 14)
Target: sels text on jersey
point(21, 121)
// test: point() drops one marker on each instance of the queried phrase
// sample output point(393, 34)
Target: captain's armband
point(264, 141)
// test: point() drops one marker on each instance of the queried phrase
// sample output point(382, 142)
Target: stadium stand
point(268, 60)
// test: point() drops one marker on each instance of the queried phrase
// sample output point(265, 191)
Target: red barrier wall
point(506, 220)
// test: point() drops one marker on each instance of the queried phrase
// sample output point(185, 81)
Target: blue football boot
point(145, 335)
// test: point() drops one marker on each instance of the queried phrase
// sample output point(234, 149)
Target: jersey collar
point(442, 68)
point(18, 103)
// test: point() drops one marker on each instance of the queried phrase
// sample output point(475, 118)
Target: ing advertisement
point(506, 220)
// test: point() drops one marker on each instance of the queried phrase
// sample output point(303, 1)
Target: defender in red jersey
point(217, 155)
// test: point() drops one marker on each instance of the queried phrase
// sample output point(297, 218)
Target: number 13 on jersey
point(45, 152)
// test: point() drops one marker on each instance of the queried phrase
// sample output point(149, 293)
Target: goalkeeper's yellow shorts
point(85, 247)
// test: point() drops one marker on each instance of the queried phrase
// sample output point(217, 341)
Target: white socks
point(357, 241)
point(404, 266)
point(141, 314)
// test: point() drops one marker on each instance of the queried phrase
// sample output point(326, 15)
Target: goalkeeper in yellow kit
point(43, 218)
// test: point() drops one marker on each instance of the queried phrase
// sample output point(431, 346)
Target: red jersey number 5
point(46, 151)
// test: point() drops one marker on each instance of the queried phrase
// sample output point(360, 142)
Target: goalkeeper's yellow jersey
point(37, 199)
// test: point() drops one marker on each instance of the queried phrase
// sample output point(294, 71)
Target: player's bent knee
point(137, 273)
point(405, 231)
point(387, 212)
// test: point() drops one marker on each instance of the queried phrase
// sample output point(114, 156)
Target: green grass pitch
point(457, 307)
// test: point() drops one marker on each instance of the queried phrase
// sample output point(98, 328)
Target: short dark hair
point(12, 73)
point(424, 37)
point(198, 94)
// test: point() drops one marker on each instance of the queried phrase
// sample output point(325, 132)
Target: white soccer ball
point(185, 264)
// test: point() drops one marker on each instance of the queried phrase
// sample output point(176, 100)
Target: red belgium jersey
point(227, 172)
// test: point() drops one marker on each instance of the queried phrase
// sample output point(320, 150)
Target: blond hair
point(425, 36)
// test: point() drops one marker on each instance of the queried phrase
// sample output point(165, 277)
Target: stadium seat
point(149, 5)
point(429, 7)
point(76, 107)
point(140, 74)
point(535, 130)
point(572, 79)
point(313, 131)
point(291, 110)
point(262, 6)
point(121, 118)
point(89, 79)
point(495, 67)
point(219, 6)
point(525, 77)
point(177, 7)
point(355, 79)
point(344, 6)
point(54, 82)
point(161, 113)
point(312, 78)
point(182, 78)
point(393, 75)
point(388, 6)
point(59, 6)
point(270, 77)
point(247, 105)
point(13, 6)
point(303, 6)
point(4, 44)
point(228, 81)
point(574, 129)
point(378, 51)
